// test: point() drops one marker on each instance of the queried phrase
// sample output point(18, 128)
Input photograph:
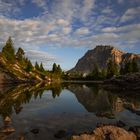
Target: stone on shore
point(106, 133)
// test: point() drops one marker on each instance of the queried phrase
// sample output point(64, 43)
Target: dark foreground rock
point(106, 133)
point(130, 82)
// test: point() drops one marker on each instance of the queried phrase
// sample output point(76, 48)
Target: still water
point(39, 112)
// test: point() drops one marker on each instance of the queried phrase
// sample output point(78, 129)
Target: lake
point(43, 112)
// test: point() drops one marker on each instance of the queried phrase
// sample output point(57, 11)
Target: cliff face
point(100, 56)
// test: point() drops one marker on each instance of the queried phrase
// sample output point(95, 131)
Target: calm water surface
point(73, 108)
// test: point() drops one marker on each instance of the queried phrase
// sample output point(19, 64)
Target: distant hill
point(100, 56)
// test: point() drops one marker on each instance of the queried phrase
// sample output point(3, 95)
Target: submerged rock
point(35, 131)
point(60, 134)
point(106, 133)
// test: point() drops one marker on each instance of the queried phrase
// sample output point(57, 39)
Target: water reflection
point(95, 100)
point(92, 97)
point(103, 103)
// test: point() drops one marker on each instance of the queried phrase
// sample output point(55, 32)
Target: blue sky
point(62, 31)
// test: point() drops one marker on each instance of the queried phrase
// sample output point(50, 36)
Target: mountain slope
point(14, 72)
point(100, 56)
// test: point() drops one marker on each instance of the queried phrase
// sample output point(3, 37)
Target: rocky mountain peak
point(100, 56)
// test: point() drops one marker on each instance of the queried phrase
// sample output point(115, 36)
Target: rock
point(8, 130)
point(129, 82)
point(100, 56)
point(60, 134)
point(136, 130)
point(7, 119)
point(107, 133)
point(35, 131)
point(22, 138)
point(120, 124)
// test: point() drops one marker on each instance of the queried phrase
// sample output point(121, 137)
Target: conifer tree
point(29, 66)
point(135, 65)
point(37, 66)
point(20, 54)
point(54, 69)
point(59, 70)
point(8, 51)
point(41, 67)
point(112, 68)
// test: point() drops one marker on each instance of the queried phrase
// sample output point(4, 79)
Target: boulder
point(106, 133)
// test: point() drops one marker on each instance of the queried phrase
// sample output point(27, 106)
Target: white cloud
point(40, 56)
point(40, 3)
point(123, 29)
point(82, 31)
point(66, 30)
point(88, 5)
point(120, 1)
point(132, 13)
point(8, 8)
point(107, 10)
point(62, 22)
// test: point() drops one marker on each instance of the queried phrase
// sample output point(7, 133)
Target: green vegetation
point(8, 51)
point(112, 69)
point(20, 68)
point(129, 67)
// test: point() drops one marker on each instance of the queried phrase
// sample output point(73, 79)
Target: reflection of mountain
point(93, 99)
point(100, 101)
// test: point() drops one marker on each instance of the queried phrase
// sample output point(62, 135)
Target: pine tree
point(112, 68)
point(59, 70)
point(41, 67)
point(29, 66)
point(20, 54)
point(135, 65)
point(131, 67)
point(8, 51)
point(96, 74)
point(37, 66)
point(54, 69)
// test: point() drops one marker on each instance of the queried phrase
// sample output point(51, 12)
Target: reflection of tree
point(13, 98)
point(56, 90)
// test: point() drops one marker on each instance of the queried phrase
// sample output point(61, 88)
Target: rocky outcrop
point(129, 82)
point(100, 56)
point(106, 133)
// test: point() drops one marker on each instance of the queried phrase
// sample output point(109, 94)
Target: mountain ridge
point(100, 55)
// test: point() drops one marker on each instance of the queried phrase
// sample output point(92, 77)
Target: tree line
point(113, 69)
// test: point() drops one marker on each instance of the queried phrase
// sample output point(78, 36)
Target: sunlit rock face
point(100, 56)
point(107, 133)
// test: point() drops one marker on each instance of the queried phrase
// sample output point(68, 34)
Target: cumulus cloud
point(62, 22)
point(88, 5)
point(78, 23)
point(9, 7)
point(120, 1)
point(40, 56)
point(131, 14)
point(41, 4)
point(82, 31)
